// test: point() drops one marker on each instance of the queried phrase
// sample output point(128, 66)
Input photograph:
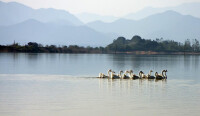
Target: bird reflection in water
point(129, 83)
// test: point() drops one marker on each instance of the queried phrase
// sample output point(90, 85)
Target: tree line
point(33, 47)
point(121, 44)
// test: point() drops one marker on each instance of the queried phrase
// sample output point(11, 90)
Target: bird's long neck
point(109, 73)
point(120, 73)
point(126, 73)
point(165, 75)
point(162, 72)
point(156, 74)
point(150, 73)
point(130, 74)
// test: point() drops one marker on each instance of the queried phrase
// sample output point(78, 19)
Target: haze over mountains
point(50, 26)
point(89, 17)
point(185, 9)
point(12, 13)
point(32, 30)
point(47, 26)
point(169, 25)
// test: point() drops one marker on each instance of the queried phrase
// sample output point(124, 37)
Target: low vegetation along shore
point(136, 45)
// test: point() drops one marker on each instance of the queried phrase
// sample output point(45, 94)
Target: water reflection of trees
point(32, 56)
point(195, 62)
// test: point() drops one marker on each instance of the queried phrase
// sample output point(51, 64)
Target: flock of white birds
point(128, 74)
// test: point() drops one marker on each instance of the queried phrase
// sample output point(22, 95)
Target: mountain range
point(168, 25)
point(89, 17)
point(185, 9)
point(44, 33)
point(46, 26)
point(52, 26)
point(13, 13)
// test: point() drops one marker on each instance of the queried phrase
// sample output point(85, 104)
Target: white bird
point(123, 76)
point(142, 75)
point(113, 75)
point(120, 74)
point(149, 76)
point(132, 76)
point(101, 75)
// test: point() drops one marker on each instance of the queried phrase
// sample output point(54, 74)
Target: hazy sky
point(102, 7)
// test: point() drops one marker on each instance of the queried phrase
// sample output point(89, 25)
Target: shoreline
point(133, 52)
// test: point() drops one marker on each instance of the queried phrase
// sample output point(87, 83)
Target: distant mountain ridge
point(23, 24)
point(185, 9)
point(13, 13)
point(169, 25)
point(44, 33)
point(89, 17)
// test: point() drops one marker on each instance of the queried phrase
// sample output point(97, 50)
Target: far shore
point(121, 45)
point(130, 52)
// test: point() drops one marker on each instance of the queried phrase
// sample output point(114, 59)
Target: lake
point(45, 84)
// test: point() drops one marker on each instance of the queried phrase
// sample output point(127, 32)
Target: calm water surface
point(65, 84)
